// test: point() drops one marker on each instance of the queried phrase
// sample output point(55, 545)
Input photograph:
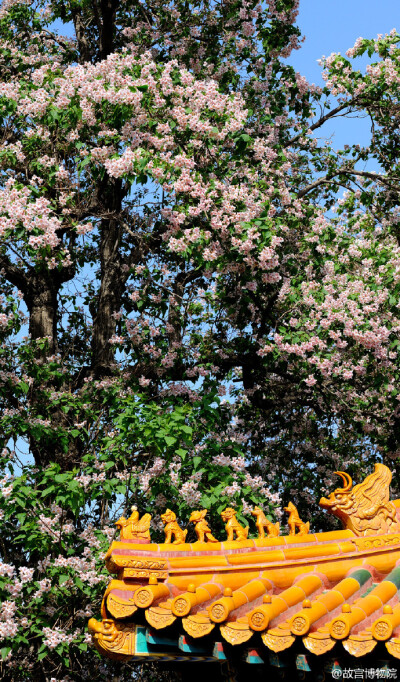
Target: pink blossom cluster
point(55, 636)
point(198, 110)
point(190, 493)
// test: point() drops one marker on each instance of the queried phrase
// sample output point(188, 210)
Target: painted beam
point(218, 651)
point(191, 647)
point(156, 639)
point(302, 663)
point(254, 657)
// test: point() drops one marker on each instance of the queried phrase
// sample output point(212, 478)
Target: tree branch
point(321, 121)
point(16, 276)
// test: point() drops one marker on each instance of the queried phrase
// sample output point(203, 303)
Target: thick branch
point(14, 275)
point(107, 27)
point(85, 52)
point(385, 180)
point(334, 112)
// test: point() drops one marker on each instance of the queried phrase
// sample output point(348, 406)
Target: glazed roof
point(326, 590)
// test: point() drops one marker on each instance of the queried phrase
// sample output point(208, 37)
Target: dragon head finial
point(365, 508)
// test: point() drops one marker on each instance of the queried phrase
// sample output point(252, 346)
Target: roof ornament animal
point(134, 528)
point(365, 508)
point(172, 529)
point(262, 523)
point(295, 521)
point(203, 530)
point(233, 526)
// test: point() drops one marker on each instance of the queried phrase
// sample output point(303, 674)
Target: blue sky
point(333, 26)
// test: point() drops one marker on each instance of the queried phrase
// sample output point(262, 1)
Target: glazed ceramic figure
point(233, 526)
point(172, 529)
point(295, 521)
point(262, 523)
point(365, 508)
point(134, 527)
point(203, 530)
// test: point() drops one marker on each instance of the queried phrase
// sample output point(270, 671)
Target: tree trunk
point(41, 300)
point(104, 323)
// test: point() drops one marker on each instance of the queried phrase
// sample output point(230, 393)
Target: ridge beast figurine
point(134, 528)
point(262, 523)
point(295, 521)
point(233, 526)
point(203, 530)
point(171, 528)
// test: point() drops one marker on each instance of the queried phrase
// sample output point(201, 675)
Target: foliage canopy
point(200, 294)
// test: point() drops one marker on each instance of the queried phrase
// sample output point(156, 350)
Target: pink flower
point(310, 381)
point(143, 381)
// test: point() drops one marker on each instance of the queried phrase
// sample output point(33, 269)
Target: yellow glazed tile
point(256, 557)
point(235, 580)
point(270, 542)
point(197, 561)
point(235, 544)
point(300, 539)
point(310, 552)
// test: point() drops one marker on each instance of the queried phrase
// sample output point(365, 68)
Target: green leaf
point(186, 429)
point(51, 489)
point(84, 162)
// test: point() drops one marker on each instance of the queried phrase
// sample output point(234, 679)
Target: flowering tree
point(199, 293)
